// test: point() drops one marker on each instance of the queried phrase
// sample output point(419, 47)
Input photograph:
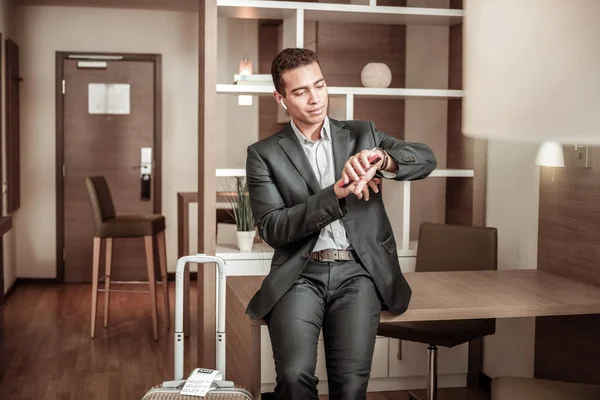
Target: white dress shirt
point(320, 156)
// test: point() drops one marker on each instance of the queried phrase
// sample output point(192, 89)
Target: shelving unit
point(294, 15)
point(392, 372)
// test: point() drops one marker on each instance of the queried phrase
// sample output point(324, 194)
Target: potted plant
point(242, 213)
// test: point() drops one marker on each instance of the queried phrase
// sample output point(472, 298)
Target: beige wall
point(10, 268)
point(512, 207)
point(44, 30)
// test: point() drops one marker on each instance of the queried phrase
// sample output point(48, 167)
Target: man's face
point(306, 94)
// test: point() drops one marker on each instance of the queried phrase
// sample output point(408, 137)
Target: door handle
point(139, 166)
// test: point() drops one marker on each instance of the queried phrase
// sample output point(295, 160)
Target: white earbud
point(282, 104)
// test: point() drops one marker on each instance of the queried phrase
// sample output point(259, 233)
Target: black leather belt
point(333, 255)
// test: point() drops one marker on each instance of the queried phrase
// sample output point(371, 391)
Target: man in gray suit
point(315, 197)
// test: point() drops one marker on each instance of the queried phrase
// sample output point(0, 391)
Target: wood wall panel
point(459, 201)
point(479, 182)
point(567, 348)
point(207, 182)
point(344, 49)
point(465, 198)
point(459, 147)
point(459, 151)
point(267, 107)
point(456, 4)
point(388, 115)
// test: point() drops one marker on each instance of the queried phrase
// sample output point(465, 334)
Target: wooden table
point(436, 296)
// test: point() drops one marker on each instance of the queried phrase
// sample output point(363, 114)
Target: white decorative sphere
point(376, 75)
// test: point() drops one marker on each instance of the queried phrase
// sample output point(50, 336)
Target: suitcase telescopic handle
point(179, 291)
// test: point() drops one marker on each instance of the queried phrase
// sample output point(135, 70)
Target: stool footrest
point(158, 282)
point(124, 291)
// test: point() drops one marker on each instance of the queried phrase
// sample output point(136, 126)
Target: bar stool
point(108, 226)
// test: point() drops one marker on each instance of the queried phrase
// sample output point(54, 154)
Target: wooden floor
point(46, 351)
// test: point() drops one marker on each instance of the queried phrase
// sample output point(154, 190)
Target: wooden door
point(108, 118)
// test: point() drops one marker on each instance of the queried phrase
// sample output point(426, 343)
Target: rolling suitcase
point(220, 389)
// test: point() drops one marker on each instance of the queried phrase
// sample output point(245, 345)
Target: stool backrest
point(444, 247)
point(103, 207)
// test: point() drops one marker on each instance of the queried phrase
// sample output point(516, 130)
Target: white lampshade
point(531, 70)
point(550, 154)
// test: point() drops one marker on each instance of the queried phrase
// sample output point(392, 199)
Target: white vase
point(245, 240)
point(376, 75)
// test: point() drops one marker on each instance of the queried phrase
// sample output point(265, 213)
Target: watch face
point(374, 160)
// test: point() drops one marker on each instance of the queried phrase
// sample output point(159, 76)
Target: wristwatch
point(384, 164)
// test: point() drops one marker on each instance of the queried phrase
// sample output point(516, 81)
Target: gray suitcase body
point(224, 390)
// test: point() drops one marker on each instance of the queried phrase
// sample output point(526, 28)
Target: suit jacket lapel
point(340, 138)
point(292, 147)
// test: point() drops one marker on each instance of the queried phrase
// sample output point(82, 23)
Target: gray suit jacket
point(290, 209)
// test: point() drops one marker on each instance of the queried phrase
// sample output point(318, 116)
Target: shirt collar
point(325, 132)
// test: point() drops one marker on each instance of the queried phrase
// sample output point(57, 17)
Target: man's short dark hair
point(289, 59)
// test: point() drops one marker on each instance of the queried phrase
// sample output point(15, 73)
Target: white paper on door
point(108, 98)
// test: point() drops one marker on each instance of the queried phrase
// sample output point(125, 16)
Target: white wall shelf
point(453, 173)
point(345, 91)
point(347, 13)
point(230, 172)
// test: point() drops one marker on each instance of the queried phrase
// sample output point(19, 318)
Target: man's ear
point(279, 98)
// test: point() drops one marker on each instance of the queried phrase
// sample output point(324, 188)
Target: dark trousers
point(341, 298)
